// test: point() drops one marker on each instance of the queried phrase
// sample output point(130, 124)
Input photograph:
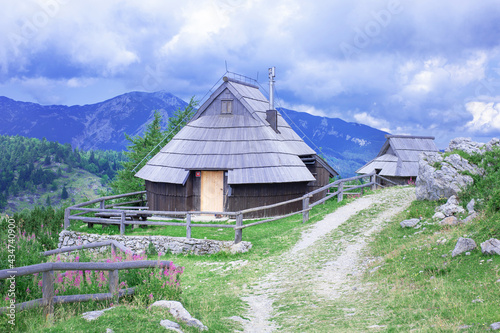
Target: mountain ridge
point(346, 146)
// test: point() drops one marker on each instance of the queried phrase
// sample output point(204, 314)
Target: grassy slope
point(80, 184)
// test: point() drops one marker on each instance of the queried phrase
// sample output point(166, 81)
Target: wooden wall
point(322, 178)
point(255, 195)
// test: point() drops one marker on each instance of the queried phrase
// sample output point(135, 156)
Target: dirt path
point(324, 265)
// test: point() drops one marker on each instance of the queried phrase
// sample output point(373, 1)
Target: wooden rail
point(125, 215)
point(47, 269)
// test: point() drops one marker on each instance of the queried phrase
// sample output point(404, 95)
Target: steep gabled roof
point(242, 143)
point(399, 156)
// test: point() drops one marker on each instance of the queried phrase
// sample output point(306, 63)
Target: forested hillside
point(29, 165)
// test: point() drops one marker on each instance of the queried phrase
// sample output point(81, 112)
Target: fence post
point(305, 213)
point(340, 196)
point(374, 181)
point(238, 233)
point(67, 213)
point(122, 223)
point(113, 285)
point(48, 293)
point(188, 225)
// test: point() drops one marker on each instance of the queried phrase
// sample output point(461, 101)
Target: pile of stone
point(448, 212)
point(490, 247)
point(441, 177)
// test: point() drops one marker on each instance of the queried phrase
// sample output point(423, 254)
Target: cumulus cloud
point(486, 117)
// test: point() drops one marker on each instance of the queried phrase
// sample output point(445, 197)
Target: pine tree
point(141, 149)
point(64, 193)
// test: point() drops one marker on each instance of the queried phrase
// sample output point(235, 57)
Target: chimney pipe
point(271, 87)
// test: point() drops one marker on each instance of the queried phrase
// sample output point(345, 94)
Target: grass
point(211, 285)
point(421, 286)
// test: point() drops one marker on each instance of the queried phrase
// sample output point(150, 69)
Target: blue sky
point(407, 67)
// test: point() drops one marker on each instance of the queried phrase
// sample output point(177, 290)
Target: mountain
point(93, 126)
point(346, 146)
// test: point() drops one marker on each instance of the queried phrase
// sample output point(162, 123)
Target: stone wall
point(162, 244)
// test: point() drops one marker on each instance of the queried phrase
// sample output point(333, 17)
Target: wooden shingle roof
point(243, 143)
point(399, 156)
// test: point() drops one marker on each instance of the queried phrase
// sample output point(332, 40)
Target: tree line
point(26, 164)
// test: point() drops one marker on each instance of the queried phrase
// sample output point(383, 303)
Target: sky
point(426, 67)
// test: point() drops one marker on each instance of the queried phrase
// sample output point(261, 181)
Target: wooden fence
point(47, 269)
point(114, 215)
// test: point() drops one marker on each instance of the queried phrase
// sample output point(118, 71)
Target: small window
point(227, 106)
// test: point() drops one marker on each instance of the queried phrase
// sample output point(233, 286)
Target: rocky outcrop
point(466, 145)
point(162, 244)
point(443, 175)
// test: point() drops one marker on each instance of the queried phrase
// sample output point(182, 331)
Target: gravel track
point(340, 270)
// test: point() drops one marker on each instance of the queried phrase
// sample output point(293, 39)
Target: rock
point(491, 246)
point(177, 310)
point(409, 223)
point(495, 326)
point(469, 218)
point(438, 216)
point(495, 142)
point(109, 330)
point(463, 245)
point(470, 206)
point(170, 325)
point(451, 207)
point(93, 315)
point(450, 220)
point(466, 145)
point(464, 327)
point(477, 300)
point(440, 177)
point(241, 247)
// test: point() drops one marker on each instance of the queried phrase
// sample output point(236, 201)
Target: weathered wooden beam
point(305, 209)
point(73, 266)
point(238, 233)
point(48, 293)
point(188, 226)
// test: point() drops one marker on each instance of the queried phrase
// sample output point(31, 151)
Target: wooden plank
point(64, 266)
point(48, 292)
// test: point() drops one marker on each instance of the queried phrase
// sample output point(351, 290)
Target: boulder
point(177, 310)
point(409, 223)
point(470, 206)
point(438, 216)
point(469, 218)
point(463, 245)
point(450, 220)
point(491, 246)
point(495, 326)
point(451, 207)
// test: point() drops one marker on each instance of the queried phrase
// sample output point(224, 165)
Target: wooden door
point(212, 191)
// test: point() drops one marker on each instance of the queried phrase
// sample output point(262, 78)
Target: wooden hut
point(234, 154)
point(398, 158)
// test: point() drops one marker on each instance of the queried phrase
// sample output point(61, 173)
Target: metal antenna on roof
point(226, 65)
point(271, 87)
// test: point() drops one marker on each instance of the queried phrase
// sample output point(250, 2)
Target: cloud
point(365, 118)
point(486, 117)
